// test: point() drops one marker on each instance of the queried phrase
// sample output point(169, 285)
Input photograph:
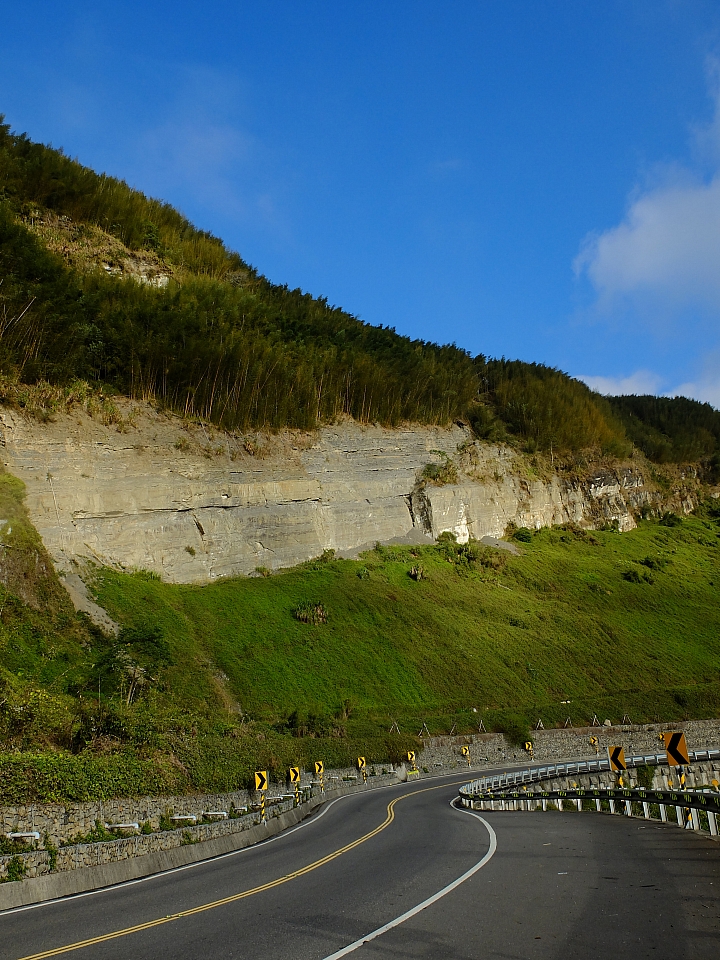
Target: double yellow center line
point(126, 931)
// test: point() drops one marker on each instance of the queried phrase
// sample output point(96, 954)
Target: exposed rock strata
point(193, 506)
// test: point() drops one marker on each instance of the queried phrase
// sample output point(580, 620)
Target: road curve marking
point(351, 947)
point(138, 928)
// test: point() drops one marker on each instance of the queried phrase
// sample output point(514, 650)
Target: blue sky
point(529, 179)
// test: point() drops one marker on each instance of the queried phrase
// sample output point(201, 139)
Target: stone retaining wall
point(70, 882)
point(76, 856)
point(493, 749)
point(439, 754)
point(40, 862)
point(61, 821)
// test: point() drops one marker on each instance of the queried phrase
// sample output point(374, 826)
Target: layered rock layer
point(193, 506)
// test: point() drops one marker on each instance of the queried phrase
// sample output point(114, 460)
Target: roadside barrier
point(690, 809)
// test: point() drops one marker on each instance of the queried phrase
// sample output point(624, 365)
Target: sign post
point(466, 753)
point(594, 742)
point(295, 781)
point(528, 745)
point(361, 768)
point(261, 784)
point(616, 756)
point(320, 772)
point(411, 760)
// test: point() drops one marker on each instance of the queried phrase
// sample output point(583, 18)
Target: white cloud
point(641, 382)
point(667, 249)
point(663, 259)
point(705, 390)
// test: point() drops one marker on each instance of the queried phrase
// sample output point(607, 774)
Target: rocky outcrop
point(503, 493)
point(149, 491)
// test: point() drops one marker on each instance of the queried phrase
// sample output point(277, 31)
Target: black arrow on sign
point(260, 780)
point(616, 761)
point(673, 749)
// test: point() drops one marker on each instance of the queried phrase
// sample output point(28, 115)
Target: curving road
point(500, 885)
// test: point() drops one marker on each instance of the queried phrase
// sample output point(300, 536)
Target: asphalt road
point(538, 885)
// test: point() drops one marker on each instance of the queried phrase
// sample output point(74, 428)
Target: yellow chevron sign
point(676, 749)
point(261, 780)
point(294, 774)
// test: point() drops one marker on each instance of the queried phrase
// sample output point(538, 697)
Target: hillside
point(203, 683)
point(169, 418)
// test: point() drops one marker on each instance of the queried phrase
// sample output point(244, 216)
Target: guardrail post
point(560, 805)
point(646, 809)
point(712, 823)
point(695, 815)
point(680, 817)
point(598, 806)
point(612, 806)
point(628, 808)
point(663, 813)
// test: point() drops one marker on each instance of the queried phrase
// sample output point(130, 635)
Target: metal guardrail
point(498, 792)
point(536, 774)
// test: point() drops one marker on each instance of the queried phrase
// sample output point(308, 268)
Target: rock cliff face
point(150, 492)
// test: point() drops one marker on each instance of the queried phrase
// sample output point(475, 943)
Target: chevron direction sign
point(676, 749)
point(261, 780)
point(616, 756)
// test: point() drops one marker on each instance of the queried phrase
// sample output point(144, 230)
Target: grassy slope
point(512, 636)
point(558, 623)
point(41, 636)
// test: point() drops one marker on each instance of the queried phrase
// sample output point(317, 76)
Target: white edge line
point(307, 822)
point(430, 900)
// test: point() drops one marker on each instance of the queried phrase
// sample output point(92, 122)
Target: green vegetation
point(545, 408)
point(516, 638)
point(672, 430)
point(16, 870)
point(43, 642)
point(218, 341)
point(507, 635)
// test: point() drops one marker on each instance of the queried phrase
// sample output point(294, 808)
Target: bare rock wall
point(193, 506)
